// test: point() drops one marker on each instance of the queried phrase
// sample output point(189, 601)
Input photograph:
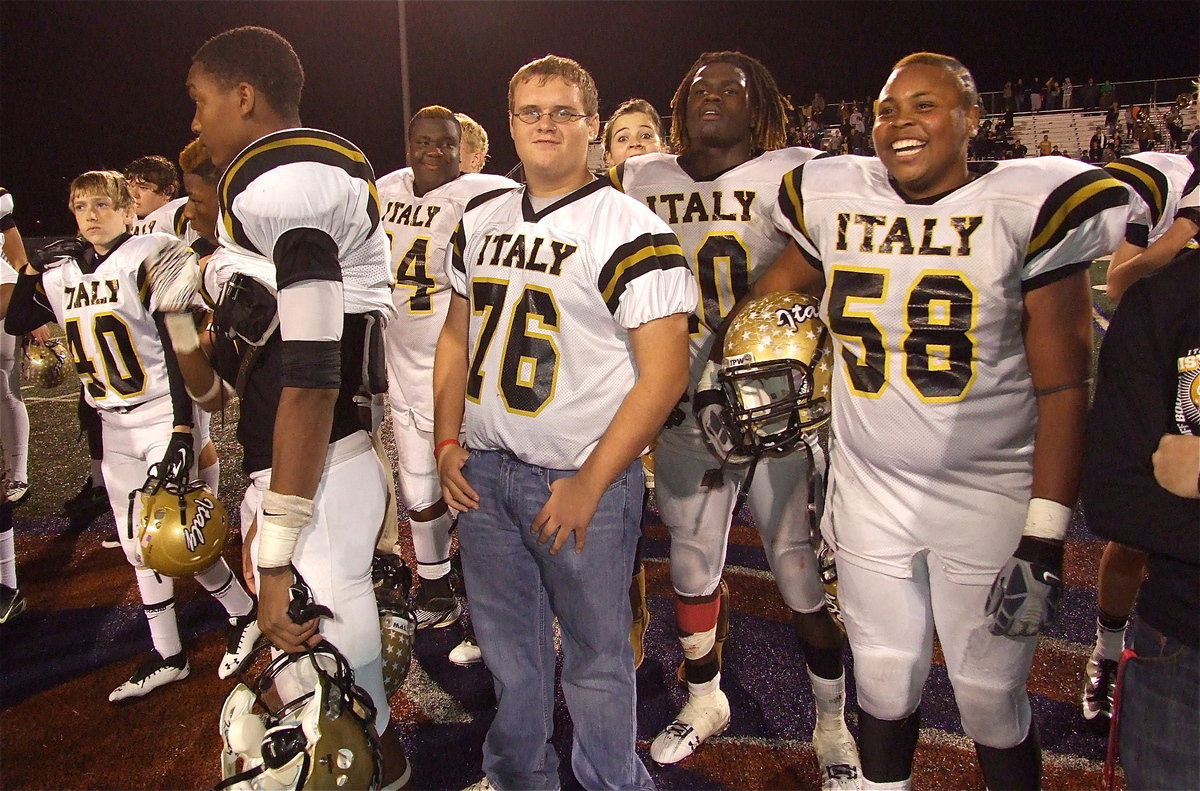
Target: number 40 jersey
point(727, 226)
point(933, 405)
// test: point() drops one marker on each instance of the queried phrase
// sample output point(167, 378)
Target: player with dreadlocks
point(719, 195)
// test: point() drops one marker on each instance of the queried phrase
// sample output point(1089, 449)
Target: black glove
point(1025, 595)
point(52, 254)
point(176, 464)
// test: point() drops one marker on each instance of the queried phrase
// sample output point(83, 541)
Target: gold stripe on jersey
point(1072, 203)
point(616, 175)
point(647, 253)
point(285, 148)
point(180, 221)
point(1148, 182)
point(791, 203)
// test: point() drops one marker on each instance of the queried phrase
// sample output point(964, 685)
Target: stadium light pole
point(404, 96)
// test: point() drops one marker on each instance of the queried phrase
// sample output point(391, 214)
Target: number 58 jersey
point(109, 324)
point(933, 405)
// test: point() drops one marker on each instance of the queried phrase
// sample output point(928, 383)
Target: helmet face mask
point(776, 374)
point(324, 738)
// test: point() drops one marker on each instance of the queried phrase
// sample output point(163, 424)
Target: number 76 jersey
point(933, 405)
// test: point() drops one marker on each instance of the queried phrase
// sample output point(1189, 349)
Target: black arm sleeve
point(28, 309)
point(181, 402)
point(1131, 411)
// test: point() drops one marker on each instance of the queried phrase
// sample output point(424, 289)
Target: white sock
point(830, 698)
point(158, 602)
point(1109, 642)
point(431, 541)
point(224, 587)
point(8, 558)
point(705, 687)
point(211, 475)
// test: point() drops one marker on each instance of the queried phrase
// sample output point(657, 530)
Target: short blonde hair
point(473, 134)
point(967, 91)
point(102, 182)
point(565, 69)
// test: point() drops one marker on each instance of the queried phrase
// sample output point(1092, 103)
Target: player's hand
point(174, 273)
point(54, 254)
point(40, 336)
point(1025, 595)
point(277, 625)
point(176, 464)
point(709, 406)
point(568, 512)
point(1177, 464)
point(457, 493)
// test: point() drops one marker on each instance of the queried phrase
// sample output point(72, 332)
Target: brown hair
point(564, 68)
point(102, 182)
point(195, 160)
point(626, 107)
point(154, 170)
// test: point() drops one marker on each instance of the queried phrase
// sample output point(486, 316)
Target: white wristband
point(708, 377)
point(182, 329)
point(1046, 519)
point(284, 516)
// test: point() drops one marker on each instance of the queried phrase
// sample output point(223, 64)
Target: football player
point(473, 148)
point(957, 295)
point(563, 350)
point(307, 287)
point(105, 293)
point(154, 184)
point(1155, 182)
point(422, 204)
point(634, 128)
point(718, 194)
point(14, 418)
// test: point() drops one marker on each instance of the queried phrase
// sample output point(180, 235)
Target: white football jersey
point(1156, 182)
point(727, 226)
point(554, 293)
point(110, 329)
point(933, 405)
point(167, 218)
point(306, 178)
point(419, 230)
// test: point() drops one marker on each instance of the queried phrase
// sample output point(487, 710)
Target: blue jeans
point(1160, 713)
point(517, 587)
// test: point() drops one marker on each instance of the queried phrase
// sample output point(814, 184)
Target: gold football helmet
point(776, 373)
point(183, 528)
point(45, 366)
point(324, 739)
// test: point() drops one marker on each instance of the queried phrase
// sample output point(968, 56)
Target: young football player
point(104, 292)
point(718, 194)
point(306, 289)
point(422, 204)
point(562, 353)
point(473, 149)
point(14, 418)
point(957, 295)
point(154, 184)
point(1155, 182)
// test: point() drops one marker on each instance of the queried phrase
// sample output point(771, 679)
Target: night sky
point(87, 85)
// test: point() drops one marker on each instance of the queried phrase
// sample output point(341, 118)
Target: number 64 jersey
point(933, 405)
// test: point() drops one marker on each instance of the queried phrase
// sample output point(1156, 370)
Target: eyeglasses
point(559, 115)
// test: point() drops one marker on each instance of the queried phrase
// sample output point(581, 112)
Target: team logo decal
point(1187, 401)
